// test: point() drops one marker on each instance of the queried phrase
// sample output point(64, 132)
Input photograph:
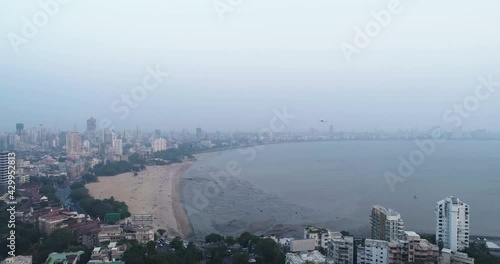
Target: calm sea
point(281, 187)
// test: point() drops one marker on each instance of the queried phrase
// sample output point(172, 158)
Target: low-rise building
point(64, 258)
point(18, 260)
point(301, 258)
point(49, 221)
point(420, 250)
point(115, 233)
point(302, 245)
point(86, 232)
point(450, 257)
point(320, 235)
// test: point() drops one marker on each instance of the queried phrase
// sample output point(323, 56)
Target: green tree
point(230, 241)
point(269, 251)
point(245, 238)
point(214, 238)
point(135, 254)
point(192, 254)
point(60, 239)
point(240, 258)
point(161, 231)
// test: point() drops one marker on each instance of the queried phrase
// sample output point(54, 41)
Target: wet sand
point(155, 191)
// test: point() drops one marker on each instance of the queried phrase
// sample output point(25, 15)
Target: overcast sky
point(230, 74)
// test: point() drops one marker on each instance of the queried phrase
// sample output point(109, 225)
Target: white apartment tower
point(118, 146)
point(386, 224)
point(158, 144)
point(73, 143)
point(452, 223)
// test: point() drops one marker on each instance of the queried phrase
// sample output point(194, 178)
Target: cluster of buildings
point(389, 242)
point(75, 151)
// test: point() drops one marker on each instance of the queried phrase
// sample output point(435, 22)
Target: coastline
point(156, 190)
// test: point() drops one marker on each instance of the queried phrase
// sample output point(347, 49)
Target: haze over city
point(230, 74)
point(249, 131)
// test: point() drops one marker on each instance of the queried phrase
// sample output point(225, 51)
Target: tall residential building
point(374, 252)
point(452, 223)
point(138, 135)
point(73, 143)
point(157, 134)
point(386, 224)
point(126, 136)
point(199, 133)
point(4, 176)
point(158, 144)
point(19, 128)
point(91, 124)
point(118, 147)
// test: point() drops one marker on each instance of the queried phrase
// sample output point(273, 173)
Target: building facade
point(341, 251)
point(321, 235)
point(117, 147)
point(374, 252)
point(73, 143)
point(452, 223)
point(386, 224)
point(159, 144)
point(4, 176)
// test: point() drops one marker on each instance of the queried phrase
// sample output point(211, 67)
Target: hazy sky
point(231, 73)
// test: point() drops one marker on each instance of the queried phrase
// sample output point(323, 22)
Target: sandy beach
point(155, 190)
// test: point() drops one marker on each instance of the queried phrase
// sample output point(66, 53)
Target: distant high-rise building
point(452, 223)
point(3, 141)
point(386, 224)
point(73, 143)
point(138, 135)
point(62, 138)
point(159, 144)
point(126, 136)
point(199, 133)
point(4, 176)
point(157, 133)
point(19, 128)
point(109, 136)
point(91, 124)
point(118, 147)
